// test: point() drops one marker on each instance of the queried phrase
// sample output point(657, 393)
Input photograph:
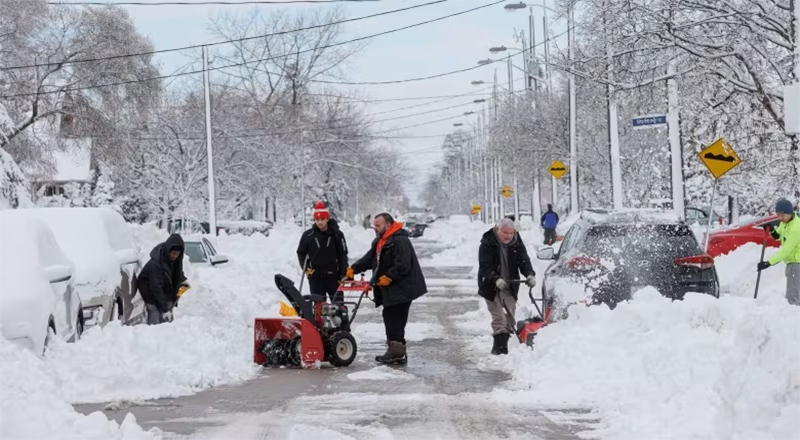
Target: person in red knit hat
point(322, 252)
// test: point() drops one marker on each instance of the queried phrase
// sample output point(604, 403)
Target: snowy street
point(444, 392)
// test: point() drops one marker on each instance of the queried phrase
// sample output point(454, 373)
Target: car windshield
point(194, 251)
point(646, 242)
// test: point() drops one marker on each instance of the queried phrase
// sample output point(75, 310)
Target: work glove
point(501, 284)
point(166, 316)
point(349, 273)
point(384, 281)
point(309, 271)
point(530, 281)
point(763, 265)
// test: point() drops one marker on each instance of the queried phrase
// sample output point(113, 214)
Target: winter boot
point(502, 343)
point(496, 344)
point(395, 354)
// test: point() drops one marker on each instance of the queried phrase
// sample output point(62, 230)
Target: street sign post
point(649, 121)
point(719, 158)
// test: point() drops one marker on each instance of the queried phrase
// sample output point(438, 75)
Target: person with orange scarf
point(397, 280)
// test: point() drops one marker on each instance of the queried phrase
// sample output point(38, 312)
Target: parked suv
point(615, 253)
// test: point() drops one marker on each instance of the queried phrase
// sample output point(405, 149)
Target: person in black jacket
point(161, 278)
point(501, 257)
point(322, 252)
point(397, 280)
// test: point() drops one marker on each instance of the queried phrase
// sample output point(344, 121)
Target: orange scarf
point(396, 226)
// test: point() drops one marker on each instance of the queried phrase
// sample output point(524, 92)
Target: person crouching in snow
point(788, 233)
point(501, 258)
point(161, 278)
point(322, 252)
point(397, 280)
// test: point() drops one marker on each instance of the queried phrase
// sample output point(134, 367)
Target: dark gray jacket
point(489, 264)
point(398, 261)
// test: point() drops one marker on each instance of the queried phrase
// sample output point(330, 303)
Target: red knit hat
point(320, 211)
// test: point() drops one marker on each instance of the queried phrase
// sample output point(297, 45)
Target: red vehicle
point(727, 240)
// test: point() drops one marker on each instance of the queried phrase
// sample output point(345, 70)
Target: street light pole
point(573, 125)
point(212, 208)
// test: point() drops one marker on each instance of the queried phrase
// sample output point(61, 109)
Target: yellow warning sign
point(506, 191)
point(557, 169)
point(719, 158)
point(476, 209)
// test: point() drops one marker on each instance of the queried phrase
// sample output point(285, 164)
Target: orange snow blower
point(320, 331)
point(526, 330)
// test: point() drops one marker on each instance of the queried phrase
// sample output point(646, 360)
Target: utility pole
point(546, 31)
point(673, 122)
point(212, 200)
point(613, 129)
point(573, 122)
point(516, 196)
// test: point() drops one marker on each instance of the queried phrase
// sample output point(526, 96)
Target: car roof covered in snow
point(630, 216)
point(28, 246)
point(89, 237)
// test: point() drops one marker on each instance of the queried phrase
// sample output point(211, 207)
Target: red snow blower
point(527, 329)
point(320, 332)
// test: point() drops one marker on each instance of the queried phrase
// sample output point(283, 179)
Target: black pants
point(395, 319)
point(549, 236)
point(325, 286)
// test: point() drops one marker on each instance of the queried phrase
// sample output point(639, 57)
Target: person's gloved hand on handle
point(501, 284)
point(530, 281)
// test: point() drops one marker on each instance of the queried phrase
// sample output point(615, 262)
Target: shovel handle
point(758, 278)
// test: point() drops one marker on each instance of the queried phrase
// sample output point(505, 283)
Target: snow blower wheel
point(341, 349)
point(319, 332)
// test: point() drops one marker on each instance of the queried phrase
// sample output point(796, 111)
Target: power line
point(222, 3)
point(391, 31)
point(197, 46)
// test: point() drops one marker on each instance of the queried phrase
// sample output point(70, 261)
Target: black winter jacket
point(398, 261)
point(489, 264)
point(161, 278)
point(326, 251)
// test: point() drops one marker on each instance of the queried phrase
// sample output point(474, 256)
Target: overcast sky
point(452, 44)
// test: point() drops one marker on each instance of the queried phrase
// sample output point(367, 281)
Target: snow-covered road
point(443, 393)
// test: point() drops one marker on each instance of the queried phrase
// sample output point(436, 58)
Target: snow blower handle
point(303, 274)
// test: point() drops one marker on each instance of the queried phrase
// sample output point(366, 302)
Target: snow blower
point(527, 329)
point(318, 332)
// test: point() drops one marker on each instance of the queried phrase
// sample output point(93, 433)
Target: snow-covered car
point(106, 259)
point(37, 298)
point(613, 254)
point(199, 250)
point(244, 227)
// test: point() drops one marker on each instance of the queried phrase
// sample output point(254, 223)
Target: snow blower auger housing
point(527, 329)
point(320, 332)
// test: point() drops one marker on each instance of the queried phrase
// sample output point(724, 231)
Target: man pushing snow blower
point(501, 257)
point(397, 280)
point(788, 233)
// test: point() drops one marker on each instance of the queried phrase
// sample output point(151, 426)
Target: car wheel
point(79, 328)
point(116, 310)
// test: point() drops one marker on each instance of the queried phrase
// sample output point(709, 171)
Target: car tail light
point(702, 262)
point(582, 262)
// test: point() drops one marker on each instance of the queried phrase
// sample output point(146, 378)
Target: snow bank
point(694, 369)
point(34, 406)
point(210, 343)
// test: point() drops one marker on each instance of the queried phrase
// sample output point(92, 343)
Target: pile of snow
point(461, 239)
point(34, 405)
point(14, 191)
point(652, 368)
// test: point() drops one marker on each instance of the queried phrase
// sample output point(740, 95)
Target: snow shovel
point(763, 248)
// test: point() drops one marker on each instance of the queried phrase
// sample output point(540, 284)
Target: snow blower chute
point(319, 332)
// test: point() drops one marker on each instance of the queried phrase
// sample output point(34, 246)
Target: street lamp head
point(458, 124)
point(498, 49)
point(477, 83)
point(468, 113)
point(485, 62)
point(511, 7)
point(479, 101)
